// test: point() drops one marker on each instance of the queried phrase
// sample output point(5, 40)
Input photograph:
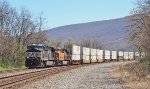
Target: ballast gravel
point(89, 77)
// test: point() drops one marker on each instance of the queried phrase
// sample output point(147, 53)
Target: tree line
point(89, 43)
point(17, 29)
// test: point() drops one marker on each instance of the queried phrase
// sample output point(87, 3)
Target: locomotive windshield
point(38, 47)
point(35, 47)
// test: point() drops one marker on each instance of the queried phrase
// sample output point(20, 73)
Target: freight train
point(40, 55)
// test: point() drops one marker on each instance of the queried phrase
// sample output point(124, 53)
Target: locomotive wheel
point(43, 64)
point(68, 62)
point(55, 63)
point(61, 63)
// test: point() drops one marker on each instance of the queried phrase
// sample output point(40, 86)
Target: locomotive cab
point(37, 54)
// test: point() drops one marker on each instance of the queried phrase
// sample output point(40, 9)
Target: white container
point(114, 54)
point(75, 50)
point(107, 53)
point(99, 52)
point(86, 51)
point(100, 58)
point(126, 55)
point(120, 54)
point(85, 57)
point(93, 59)
point(131, 55)
point(107, 57)
point(100, 55)
point(137, 54)
point(93, 52)
point(75, 57)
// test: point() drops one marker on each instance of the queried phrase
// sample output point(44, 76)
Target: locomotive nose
point(33, 59)
point(32, 62)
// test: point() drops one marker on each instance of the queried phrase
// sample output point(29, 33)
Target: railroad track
point(16, 81)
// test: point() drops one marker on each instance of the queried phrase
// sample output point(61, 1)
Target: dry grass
point(134, 75)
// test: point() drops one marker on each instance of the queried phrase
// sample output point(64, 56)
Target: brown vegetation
point(134, 75)
point(140, 34)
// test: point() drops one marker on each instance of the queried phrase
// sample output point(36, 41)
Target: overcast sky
point(65, 12)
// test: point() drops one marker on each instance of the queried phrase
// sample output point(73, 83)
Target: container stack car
point(107, 55)
point(99, 55)
point(120, 55)
point(114, 55)
point(85, 55)
point(126, 55)
point(93, 55)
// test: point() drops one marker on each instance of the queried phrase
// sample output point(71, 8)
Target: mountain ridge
point(111, 33)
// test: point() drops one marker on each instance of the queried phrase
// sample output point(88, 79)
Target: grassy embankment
point(10, 68)
point(134, 75)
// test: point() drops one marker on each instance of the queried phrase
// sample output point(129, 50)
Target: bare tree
point(140, 26)
point(55, 43)
point(91, 43)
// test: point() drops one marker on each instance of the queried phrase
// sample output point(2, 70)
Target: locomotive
point(40, 55)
